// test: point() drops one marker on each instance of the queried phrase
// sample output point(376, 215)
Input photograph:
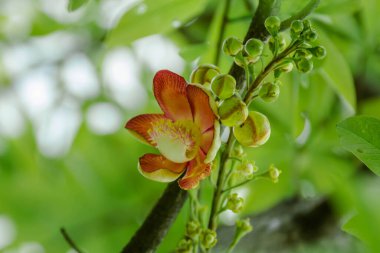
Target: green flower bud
point(185, 246)
point(296, 26)
point(286, 67)
point(269, 92)
point(274, 173)
point(235, 203)
point(193, 228)
point(281, 43)
point(204, 73)
point(255, 131)
point(238, 151)
point(272, 24)
point(208, 238)
point(244, 226)
point(303, 53)
point(232, 46)
point(319, 52)
point(304, 65)
point(223, 85)
point(247, 169)
point(233, 111)
point(306, 24)
point(241, 60)
point(311, 36)
point(254, 48)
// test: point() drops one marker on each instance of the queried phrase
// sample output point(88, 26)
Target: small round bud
point(208, 238)
point(232, 46)
point(193, 228)
point(254, 48)
point(306, 24)
point(286, 68)
point(269, 92)
point(238, 151)
point(247, 169)
point(274, 173)
point(311, 36)
point(272, 24)
point(281, 43)
point(255, 131)
point(296, 27)
point(235, 203)
point(304, 65)
point(244, 226)
point(233, 111)
point(303, 53)
point(319, 52)
point(204, 73)
point(241, 60)
point(185, 246)
point(223, 85)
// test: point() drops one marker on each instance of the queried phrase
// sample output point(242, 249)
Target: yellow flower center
point(178, 141)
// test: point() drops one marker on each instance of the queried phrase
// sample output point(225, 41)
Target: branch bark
point(158, 222)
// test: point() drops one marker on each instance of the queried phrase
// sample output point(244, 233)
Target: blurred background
point(71, 76)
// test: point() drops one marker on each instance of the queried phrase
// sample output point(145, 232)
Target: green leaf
point(75, 4)
point(43, 25)
point(361, 136)
point(337, 74)
point(152, 17)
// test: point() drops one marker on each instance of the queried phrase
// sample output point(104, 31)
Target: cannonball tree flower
point(186, 134)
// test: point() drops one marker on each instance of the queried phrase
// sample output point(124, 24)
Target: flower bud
point(243, 226)
point(286, 67)
point(204, 73)
point(255, 131)
point(272, 24)
point(296, 27)
point(233, 111)
point(208, 238)
point(274, 173)
point(223, 85)
point(241, 60)
point(319, 52)
point(311, 36)
point(232, 46)
point(235, 203)
point(254, 48)
point(247, 169)
point(304, 65)
point(303, 53)
point(238, 151)
point(185, 246)
point(306, 24)
point(281, 43)
point(193, 228)
point(269, 92)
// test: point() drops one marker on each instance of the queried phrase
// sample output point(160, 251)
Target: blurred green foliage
point(94, 189)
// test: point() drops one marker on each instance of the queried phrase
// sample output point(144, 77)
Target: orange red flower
point(186, 134)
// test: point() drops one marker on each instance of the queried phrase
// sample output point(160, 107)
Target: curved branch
point(158, 222)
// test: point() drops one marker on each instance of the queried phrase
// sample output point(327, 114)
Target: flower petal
point(141, 124)
point(196, 171)
point(158, 168)
point(216, 142)
point(207, 139)
point(178, 141)
point(170, 92)
point(199, 101)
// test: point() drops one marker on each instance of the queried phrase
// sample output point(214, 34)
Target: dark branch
point(70, 241)
point(157, 224)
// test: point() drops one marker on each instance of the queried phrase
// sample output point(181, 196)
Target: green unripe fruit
point(254, 48)
point(254, 132)
point(223, 86)
point(233, 111)
point(304, 65)
point(272, 24)
point(235, 203)
point(232, 46)
point(296, 26)
point(240, 60)
point(311, 36)
point(319, 52)
point(269, 92)
point(208, 238)
point(203, 74)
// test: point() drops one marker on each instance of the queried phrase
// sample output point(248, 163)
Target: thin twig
point(70, 241)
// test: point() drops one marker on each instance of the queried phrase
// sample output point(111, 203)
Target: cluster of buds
point(235, 203)
point(185, 246)
point(244, 54)
point(208, 238)
point(193, 228)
